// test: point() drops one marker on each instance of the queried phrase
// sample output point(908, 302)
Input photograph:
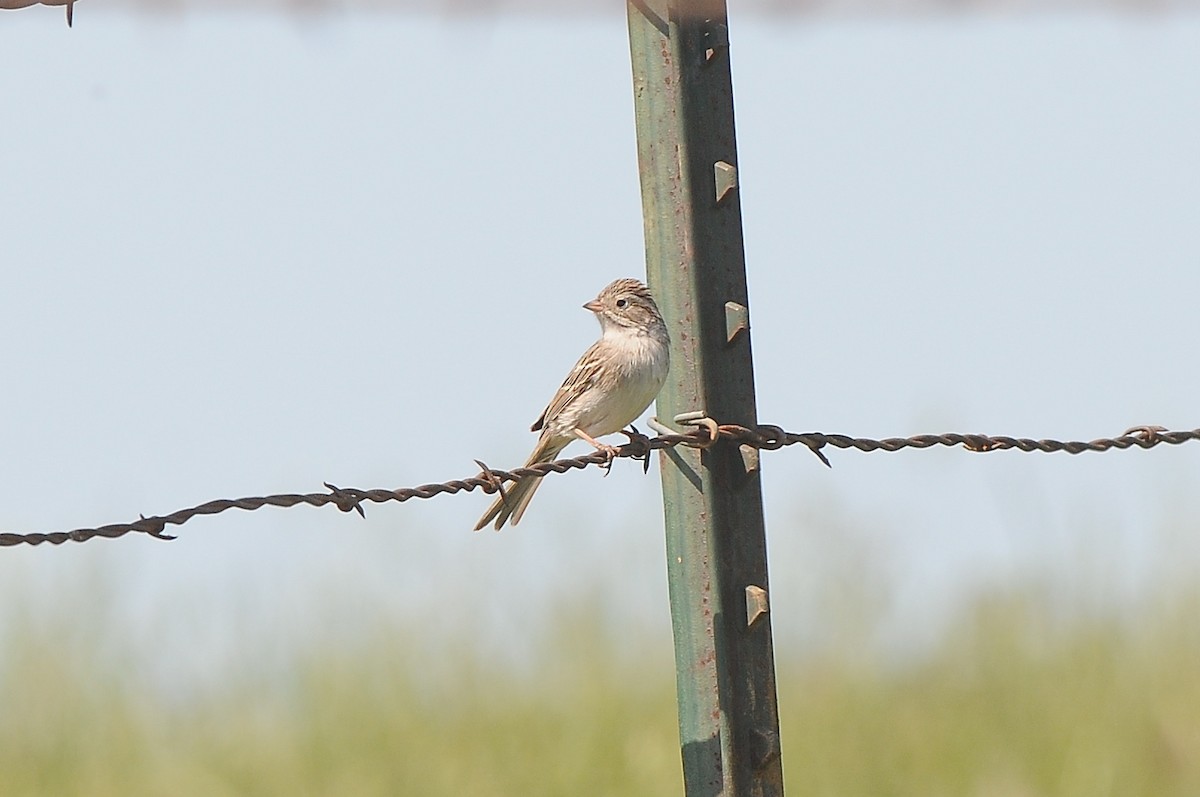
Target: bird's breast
point(638, 369)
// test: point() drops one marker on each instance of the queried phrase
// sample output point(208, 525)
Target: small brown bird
point(611, 385)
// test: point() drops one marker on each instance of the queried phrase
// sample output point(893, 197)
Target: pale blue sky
point(244, 254)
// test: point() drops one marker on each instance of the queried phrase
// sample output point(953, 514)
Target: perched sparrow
point(610, 386)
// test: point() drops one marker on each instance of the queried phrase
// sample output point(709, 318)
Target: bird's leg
point(608, 450)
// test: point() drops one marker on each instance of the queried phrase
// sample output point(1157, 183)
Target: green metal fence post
point(716, 543)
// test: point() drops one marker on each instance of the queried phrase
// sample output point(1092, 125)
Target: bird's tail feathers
point(511, 504)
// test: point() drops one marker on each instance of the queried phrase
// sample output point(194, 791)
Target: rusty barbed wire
point(706, 433)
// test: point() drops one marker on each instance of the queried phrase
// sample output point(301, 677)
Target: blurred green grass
point(1010, 704)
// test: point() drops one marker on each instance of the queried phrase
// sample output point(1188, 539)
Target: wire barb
point(493, 482)
point(706, 434)
point(154, 526)
point(347, 500)
point(641, 445)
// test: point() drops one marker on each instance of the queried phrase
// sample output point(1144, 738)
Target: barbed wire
point(706, 433)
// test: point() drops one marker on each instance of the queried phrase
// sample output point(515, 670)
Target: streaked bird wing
point(583, 375)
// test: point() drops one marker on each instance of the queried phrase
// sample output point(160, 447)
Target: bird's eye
point(621, 303)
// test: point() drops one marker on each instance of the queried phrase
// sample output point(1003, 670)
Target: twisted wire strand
point(707, 434)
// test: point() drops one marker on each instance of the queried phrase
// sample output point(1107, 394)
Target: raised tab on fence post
point(716, 542)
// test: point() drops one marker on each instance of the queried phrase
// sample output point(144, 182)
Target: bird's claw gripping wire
point(610, 454)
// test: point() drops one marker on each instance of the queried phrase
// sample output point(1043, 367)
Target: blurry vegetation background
point(1019, 698)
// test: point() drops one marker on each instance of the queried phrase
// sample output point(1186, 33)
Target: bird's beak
point(594, 305)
